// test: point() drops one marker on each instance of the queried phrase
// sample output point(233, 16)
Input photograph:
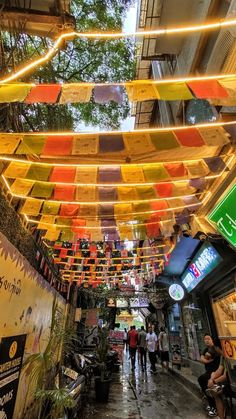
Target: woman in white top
point(164, 349)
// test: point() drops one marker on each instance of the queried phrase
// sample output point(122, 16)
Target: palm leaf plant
point(42, 367)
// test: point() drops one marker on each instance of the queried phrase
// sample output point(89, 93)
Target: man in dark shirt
point(133, 342)
point(211, 359)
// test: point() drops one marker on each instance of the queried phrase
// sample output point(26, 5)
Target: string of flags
point(221, 88)
point(115, 143)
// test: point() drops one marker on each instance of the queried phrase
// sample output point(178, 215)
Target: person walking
point(164, 349)
point(125, 340)
point(133, 343)
point(211, 359)
point(142, 348)
point(151, 340)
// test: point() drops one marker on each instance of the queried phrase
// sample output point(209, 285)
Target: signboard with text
point(224, 216)
point(11, 356)
point(206, 259)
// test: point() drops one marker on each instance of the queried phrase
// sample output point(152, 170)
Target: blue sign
point(206, 259)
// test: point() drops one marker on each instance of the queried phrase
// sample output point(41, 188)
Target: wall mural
point(27, 300)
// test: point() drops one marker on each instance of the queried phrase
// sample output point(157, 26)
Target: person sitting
point(218, 385)
point(211, 359)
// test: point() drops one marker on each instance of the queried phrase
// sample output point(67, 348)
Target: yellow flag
point(85, 193)
point(138, 143)
point(86, 174)
point(22, 187)
point(75, 93)
point(132, 174)
point(85, 144)
point(182, 188)
point(14, 92)
point(17, 170)
point(96, 235)
point(31, 206)
point(9, 143)
point(139, 92)
point(126, 232)
point(214, 136)
point(127, 193)
point(52, 235)
point(197, 168)
point(123, 211)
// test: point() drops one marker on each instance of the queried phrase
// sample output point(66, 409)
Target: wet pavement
point(142, 395)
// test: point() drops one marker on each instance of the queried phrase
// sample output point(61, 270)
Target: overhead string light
point(69, 36)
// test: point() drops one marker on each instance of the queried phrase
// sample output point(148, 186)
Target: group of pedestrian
point(148, 343)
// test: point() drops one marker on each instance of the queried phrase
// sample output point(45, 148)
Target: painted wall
point(25, 308)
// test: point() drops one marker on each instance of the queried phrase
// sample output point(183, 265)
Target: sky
point(129, 26)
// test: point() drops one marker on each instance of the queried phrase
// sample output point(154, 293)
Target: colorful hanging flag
point(189, 137)
point(174, 91)
point(214, 136)
point(85, 144)
point(107, 193)
point(31, 206)
point(164, 140)
point(86, 174)
point(127, 193)
point(17, 170)
point(111, 143)
point(69, 210)
point(146, 192)
point(123, 211)
point(42, 190)
point(50, 208)
point(176, 170)
point(64, 193)
point(155, 173)
point(132, 174)
point(58, 145)
point(14, 92)
point(86, 193)
point(207, 89)
point(104, 94)
point(75, 93)
point(31, 144)
point(197, 168)
point(63, 174)
point(39, 172)
point(43, 93)
point(139, 92)
point(137, 143)
point(22, 186)
point(9, 143)
point(164, 190)
point(109, 174)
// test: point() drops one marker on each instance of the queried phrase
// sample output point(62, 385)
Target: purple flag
point(198, 183)
point(104, 94)
point(215, 164)
point(109, 174)
point(111, 143)
point(106, 209)
point(191, 200)
point(108, 223)
point(107, 193)
point(231, 129)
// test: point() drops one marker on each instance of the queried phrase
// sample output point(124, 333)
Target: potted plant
point(102, 382)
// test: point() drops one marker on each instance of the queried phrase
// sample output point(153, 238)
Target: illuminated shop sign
point(206, 259)
point(224, 216)
point(176, 292)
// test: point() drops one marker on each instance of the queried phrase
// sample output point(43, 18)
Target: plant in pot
point(102, 382)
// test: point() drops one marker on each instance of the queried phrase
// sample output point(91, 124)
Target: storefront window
point(225, 315)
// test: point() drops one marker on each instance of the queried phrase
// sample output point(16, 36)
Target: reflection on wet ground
point(142, 395)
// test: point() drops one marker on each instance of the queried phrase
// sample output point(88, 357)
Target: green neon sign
point(224, 216)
